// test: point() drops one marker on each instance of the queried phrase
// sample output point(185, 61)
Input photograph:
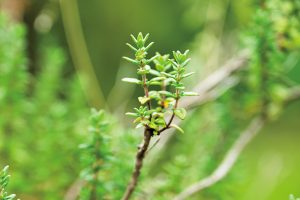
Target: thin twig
point(228, 161)
point(74, 190)
point(138, 164)
point(294, 94)
point(172, 117)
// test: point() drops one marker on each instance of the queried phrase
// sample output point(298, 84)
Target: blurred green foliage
point(44, 114)
point(4, 180)
point(41, 117)
point(106, 158)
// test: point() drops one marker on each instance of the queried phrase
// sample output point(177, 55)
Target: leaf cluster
point(268, 43)
point(4, 180)
point(95, 154)
point(162, 83)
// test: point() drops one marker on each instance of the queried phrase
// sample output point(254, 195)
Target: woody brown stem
point(138, 164)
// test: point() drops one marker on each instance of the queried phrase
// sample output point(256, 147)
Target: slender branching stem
point(138, 164)
point(146, 116)
point(173, 114)
point(96, 166)
point(146, 90)
point(148, 133)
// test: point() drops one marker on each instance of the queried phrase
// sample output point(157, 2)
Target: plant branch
point(138, 164)
point(294, 94)
point(207, 88)
point(234, 152)
point(74, 190)
point(148, 133)
point(172, 117)
point(228, 161)
point(146, 90)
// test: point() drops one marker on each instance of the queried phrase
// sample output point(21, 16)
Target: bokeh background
point(65, 57)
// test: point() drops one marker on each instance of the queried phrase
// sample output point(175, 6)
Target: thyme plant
point(105, 157)
point(157, 102)
point(28, 105)
point(95, 155)
point(262, 92)
point(4, 180)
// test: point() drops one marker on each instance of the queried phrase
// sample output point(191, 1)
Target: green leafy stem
point(166, 79)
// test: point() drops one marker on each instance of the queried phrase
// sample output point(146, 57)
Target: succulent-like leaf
point(131, 47)
point(154, 72)
point(187, 74)
point(185, 62)
point(132, 80)
point(190, 94)
point(133, 38)
point(149, 45)
point(168, 75)
point(131, 114)
point(167, 93)
point(143, 100)
point(177, 127)
point(131, 60)
point(180, 112)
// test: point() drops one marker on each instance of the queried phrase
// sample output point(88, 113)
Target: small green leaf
point(180, 112)
point(139, 125)
point(131, 47)
point(151, 59)
point(131, 60)
point(153, 125)
point(160, 67)
point(149, 45)
point(147, 67)
point(133, 38)
point(190, 94)
point(145, 122)
point(177, 127)
point(188, 74)
point(161, 122)
point(131, 114)
point(168, 75)
point(170, 80)
point(154, 83)
point(142, 71)
point(146, 37)
point(158, 78)
point(167, 93)
point(158, 115)
point(154, 72)
point(143, 100)
point(138, 119)
point(132, 80)
point(154, 95)
point(180, 87)
point(185, 62)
